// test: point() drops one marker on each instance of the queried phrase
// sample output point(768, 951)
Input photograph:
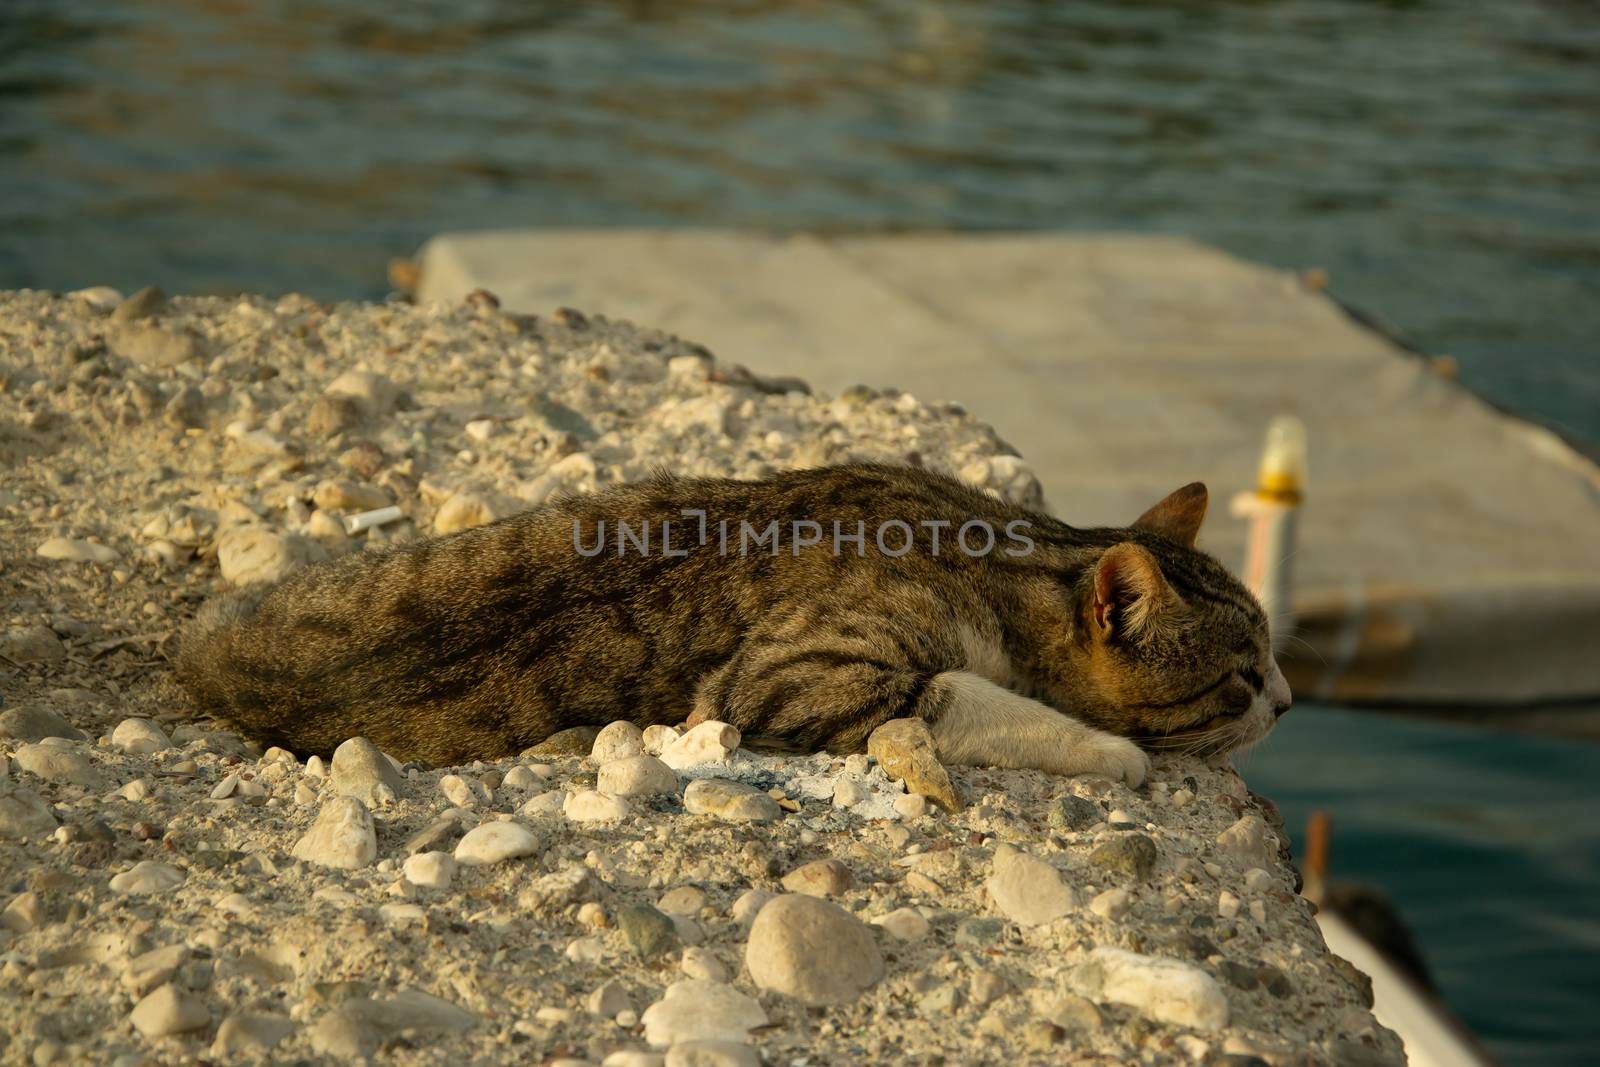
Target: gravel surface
point(172, 893)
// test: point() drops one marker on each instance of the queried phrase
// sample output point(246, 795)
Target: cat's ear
point(1130, 591)
point(1178, 516)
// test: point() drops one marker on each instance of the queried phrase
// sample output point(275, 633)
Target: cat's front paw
point(1116, 758)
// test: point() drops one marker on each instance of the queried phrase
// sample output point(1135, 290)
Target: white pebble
point(637, 776)
point(592, 806)
point(618, 740)
point(430, 870)
point(139, 737)
point(495, 842)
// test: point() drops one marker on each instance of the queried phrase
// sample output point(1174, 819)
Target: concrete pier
point(1449, 553)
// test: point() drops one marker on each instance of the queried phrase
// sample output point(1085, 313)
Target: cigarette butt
point(366, 520)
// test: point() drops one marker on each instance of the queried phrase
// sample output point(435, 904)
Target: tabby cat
point(811, 607)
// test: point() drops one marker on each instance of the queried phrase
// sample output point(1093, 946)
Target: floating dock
point(1449, 553)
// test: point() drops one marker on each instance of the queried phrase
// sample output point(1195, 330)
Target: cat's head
point(1177, 648)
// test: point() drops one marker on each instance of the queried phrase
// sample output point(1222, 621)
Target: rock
point(686, 900)
point(1113, 904)
point(1161, 989)
point(904, 749)
point(729, 800)
point(749, 905)
point(1249, 840)
point(463, 793)
point(373, 394)
point(359, 767)
point(712, 1054)
point(647, 931)
point(34, 722)
point(1073, 813)
point(820, 878)
point(812, 950)
point(341, 494)
point(697, 1010)
point(250, 555)
point(1133, 855)
point(249, 1036)
point(464, 510)
point(1027, 890)
point(657, 738)
point(165, 1010)
point(149, 969)
point(1258, 880)
point(25, 912)
point(847, 793)
point(152, 346)
point(436, 835)
point(1072, 1013)
point(550, 802)
point(141, 305)
point(637, 776)
point(591, 806)
point(619, 740)
point(32, 644)
point(67, 550)
point(59, 764)
point(139, 737)
point(911, 806)
point(986, 987)
point(147, 877)
point(904, 924)
point(700, 963)
point(522, 778)
point(573, 741)
point(980, 931)
point(705, 742)
point(430, 870)
point(23, 813)
point(342, 836)
point(102, 298)
point(496, 842)
point(608, 1000)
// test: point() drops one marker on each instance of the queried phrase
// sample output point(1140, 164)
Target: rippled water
point(1440, 160)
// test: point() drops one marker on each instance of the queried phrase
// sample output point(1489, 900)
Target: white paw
point(1114, 757)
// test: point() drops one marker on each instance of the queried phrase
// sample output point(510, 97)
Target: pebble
point(812, 950)
point(749, 905)
point(359, 767)
point(522, 778)
point(656, 738)
point(634, 1058)
point(1258, 880)
point(700, 963)
point(618, 740)
point(1132, 854)
point(608, 1000)
point(1248, 840)
point(729, 800)
point(139, 737)
point(146, 877)
point(706, 742)
point(342, 836)
point(694, 1009)
point(25, 912)
point(430, 870)
point(68, 550)
point(647, 931)
point(54, 763)
point(32, 644)
point(147, 970)
point(165, 1010)
point(904, 924)
point(1027, 890)
point(495, 842)
point(152, 346)
point(712, 1054)
point(686, 900)
point(1227, 905)
point(547, 803)
point(1074, 813)
point(986, 987)
point(253, 555)
point(249, 1036)
point(820, 878)
point(463, 793)
point(847, 793)
point(373, 393)
point(910, 806)
point(1113, 904)
point(904, 749)
point(637, 776)
point(34, 722)
point(1163, 990)
point(592, 806)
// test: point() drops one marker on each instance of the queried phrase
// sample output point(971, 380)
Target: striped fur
point(481, 643)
